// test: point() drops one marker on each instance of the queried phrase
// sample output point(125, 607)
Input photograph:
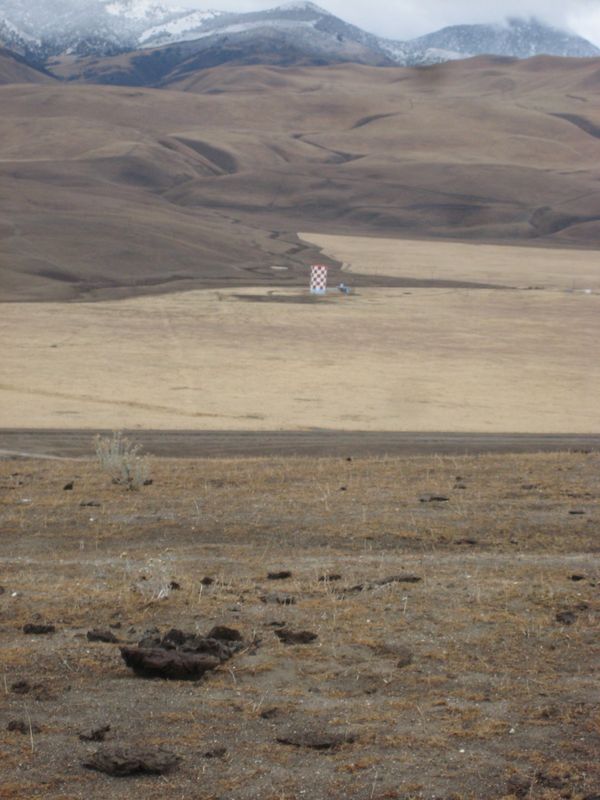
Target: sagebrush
point(120, 457)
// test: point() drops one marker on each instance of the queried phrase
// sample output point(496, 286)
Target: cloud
point(405, 19)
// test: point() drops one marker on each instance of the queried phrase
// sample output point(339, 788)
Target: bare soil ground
point(480, 680)
point(320, 443)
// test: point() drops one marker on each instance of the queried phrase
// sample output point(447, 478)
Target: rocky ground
point(419, 627)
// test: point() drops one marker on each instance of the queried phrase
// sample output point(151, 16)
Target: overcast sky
point(405, 19)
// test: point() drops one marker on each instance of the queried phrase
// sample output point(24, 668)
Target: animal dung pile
point(182, 656)
point(121, 762)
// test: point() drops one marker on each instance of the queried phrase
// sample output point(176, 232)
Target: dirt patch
point(478, 680)
point(271, 297)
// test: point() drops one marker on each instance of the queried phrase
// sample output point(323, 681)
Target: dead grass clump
point(120, 457)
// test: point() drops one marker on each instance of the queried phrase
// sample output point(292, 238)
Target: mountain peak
point(302, 5)
point(293, 32)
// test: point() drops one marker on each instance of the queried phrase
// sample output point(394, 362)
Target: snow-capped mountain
point(45, 28)
point(42, 29)
point(516, 38)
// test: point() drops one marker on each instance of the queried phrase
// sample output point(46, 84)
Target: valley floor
point(509, 357)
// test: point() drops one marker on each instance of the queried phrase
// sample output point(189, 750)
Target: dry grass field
point(539, 268)
point(473, 674)
point(401, 359)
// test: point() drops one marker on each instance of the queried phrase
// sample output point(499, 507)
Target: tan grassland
point(522, 267)
point(415, 359)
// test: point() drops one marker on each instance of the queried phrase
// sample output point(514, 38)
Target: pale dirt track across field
point(316, 444)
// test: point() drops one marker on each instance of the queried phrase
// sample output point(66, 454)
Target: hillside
point(15, 69)
point(109, 191)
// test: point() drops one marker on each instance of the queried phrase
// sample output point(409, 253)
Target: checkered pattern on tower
point(318, 279)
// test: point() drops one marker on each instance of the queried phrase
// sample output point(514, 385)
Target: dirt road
point(317, 443)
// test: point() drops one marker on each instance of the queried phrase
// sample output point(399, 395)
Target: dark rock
point(21, 726)
point(168, 664)
point(278, 599)
point(519, 785)
point(221, 642)
point(577, 512)
point(279, 576)
point(331, 578)
point(550, 780)
point(433, 498)
point(269, 713)
point(295, 637)
point(89, 504)
point(460, 486)
point(36, 629)
point(396, 649)
point(404, 577)
point(96, 735)
point(222, 650)
point(150, 641)
point(343, 488)
point(349, 458)
point(467, 541)
point(174, 586)
point(2, 590)
point(148, 482)
point(276, 624)
point(207, 581)
point(566, 617)
point(216, 752)
point(577, 578)
point(41, 693)
point(107, 637)
point(405, 657)
point(21, 687)
point(175, 638)
point(123, 761)
point(224, 634)
point(316, 740)
point(68, 486)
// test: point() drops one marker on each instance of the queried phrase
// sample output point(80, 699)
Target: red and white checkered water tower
point(318, 279)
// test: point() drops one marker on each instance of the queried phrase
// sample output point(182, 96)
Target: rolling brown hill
point(15, 69)
point(112, 190)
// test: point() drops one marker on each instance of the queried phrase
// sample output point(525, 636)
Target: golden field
point(413, 359)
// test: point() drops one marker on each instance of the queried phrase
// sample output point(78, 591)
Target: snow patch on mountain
point(136, 9)
point(13, 31)
point(178, 29)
